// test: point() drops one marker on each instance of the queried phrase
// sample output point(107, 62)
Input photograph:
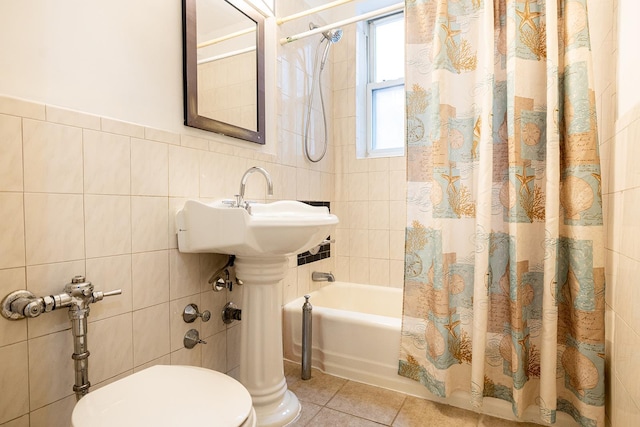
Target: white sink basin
point(265, 230)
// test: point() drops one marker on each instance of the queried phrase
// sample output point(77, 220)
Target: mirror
point(223, 68)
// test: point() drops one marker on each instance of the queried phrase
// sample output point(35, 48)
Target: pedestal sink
point(261, 236)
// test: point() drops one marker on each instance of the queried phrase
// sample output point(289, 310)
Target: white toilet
point(167, 396)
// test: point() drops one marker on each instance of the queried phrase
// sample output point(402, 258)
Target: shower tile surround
point(62, 170)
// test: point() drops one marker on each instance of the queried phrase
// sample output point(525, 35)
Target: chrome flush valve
point(77, 295)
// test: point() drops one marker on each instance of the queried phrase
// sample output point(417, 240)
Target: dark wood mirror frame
point(190, 76)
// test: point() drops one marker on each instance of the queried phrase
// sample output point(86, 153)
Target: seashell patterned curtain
point(504, 263)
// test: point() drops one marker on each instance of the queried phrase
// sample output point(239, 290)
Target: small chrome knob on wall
point(191, 338)
point(191, 313)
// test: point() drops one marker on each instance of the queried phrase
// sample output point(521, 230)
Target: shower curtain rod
point(226, 55)
point(226, 37)
point(372, 14)
point(312, 10)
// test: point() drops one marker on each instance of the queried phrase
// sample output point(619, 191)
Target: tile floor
point(331, 401)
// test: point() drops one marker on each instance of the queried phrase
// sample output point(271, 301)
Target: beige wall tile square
point(631, 223)
point(108, 274)
point(163, 360)
point(359, 243)
point(50, 279)
point(233, 347)
point(379, 185)
point(397, 215)
point(149, 223)
point(20, 107)
point(212, 166)
point(359, 186)
point(122, 128)
point(23, 421)
point(398, 163)
point(150, 277)
point(184, 172)
point(188, 357)
point(107, 225)
point(625, 411)
point(107, 163)
point(396, 273)
point(57, 414)
point(343, 244)
point(151, 333)
point(52, 157)
point(379, 215)
point(162, 136)
point(214, 353)
point(359, 213)
point(14, 373)
point(178, 326)
point(184, 274)
point(342, 269)
point(359, 270)
point(194, 142)
point(379, 272)
point(50, 358)
point(397, 185)
point(54, 227)
point(12, 279)
point(149, 168)
point(111, 347)
point(626, 359)
point(379, 244)
point(302, 184)
point(12, 245)
point(396, 244)
point(72, 118)
point(10, 153)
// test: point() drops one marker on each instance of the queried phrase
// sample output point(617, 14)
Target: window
point(385, 98)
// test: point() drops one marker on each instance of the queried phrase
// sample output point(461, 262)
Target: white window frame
point(372, 86)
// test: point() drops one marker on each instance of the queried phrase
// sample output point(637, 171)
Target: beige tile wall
point(81, 194)
point(619, 137)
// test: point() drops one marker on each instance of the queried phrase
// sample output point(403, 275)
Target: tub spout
point(319, 276)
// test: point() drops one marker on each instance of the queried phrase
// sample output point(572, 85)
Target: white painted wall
point(628, 55)
point(118, 58)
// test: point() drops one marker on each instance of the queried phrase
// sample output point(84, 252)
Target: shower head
point(334, 35)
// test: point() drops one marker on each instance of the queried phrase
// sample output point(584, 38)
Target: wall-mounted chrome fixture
point(191, 338)
point(191, 313)
point(319, 276)
point(231, 312)
point(77, 295)
point(239, 201)
point(221, 279)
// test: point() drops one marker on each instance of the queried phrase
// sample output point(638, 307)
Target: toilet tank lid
point(166, 396)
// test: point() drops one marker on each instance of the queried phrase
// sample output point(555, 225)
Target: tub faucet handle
point(191, 338)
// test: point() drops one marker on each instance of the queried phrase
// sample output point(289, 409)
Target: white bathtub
point(350, 322)
point(356, 335)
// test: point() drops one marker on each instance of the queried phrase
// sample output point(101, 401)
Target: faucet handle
point(191, 338)
point(99, 295)
point(191, 313)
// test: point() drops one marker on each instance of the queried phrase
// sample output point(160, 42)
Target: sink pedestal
point(261, 359)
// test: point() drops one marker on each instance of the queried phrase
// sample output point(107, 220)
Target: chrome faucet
point(239, 202)
point(319, 276)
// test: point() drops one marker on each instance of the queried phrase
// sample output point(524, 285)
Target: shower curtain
point(504, 254)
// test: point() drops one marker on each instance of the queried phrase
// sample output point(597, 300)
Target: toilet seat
point(167, 396)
